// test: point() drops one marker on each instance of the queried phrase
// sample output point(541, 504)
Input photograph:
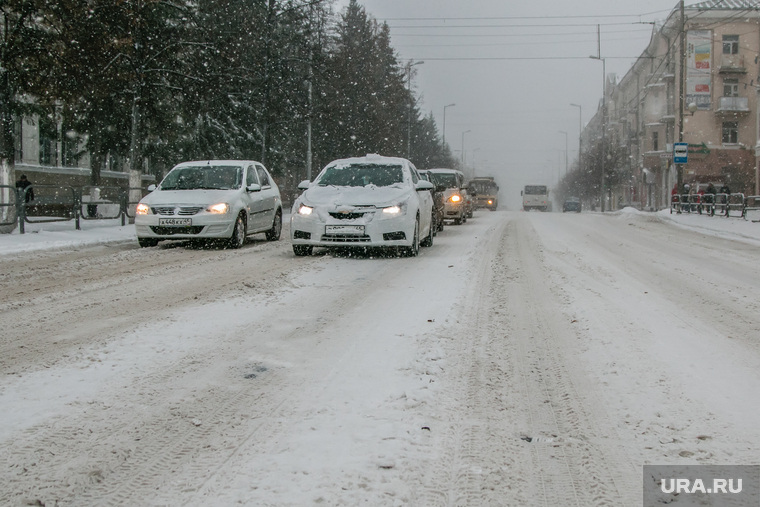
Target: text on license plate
point(344, 229)
point(176, 222)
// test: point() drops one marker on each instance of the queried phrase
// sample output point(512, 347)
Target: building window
point(48, 141)
point(730, 44)
point(730, 132)
point(655, 141)
point(730, 87)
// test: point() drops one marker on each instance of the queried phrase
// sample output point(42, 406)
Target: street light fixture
point(463, 133)
point(580, 132)
point(409, 66)
point(444, 123)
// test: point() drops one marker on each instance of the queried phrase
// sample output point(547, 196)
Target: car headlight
point(455, 198)
point(305, 210)
point(392, 210)
point(219, 208)
point(142, 209)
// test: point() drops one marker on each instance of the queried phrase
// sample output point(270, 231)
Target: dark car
point(572, 204)
point(438, 202)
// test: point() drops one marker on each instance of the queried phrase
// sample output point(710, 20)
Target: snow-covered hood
point(349, 197)
point(198, 196)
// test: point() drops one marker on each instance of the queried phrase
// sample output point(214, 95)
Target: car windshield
point(361, 175)
point(448, 180)
point(484, 187)
point(216, 177)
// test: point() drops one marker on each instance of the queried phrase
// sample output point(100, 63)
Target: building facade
point(696, 82)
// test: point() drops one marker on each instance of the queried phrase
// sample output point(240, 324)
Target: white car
point(369, 202)
point(212, 199)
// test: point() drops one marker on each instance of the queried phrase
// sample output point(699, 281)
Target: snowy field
point(524, 359)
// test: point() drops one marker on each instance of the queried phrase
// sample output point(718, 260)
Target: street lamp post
point(444, 123)
point(463, 133)
point(604, 122)
point(563, 132)
point(411, 105)
point(580, 132)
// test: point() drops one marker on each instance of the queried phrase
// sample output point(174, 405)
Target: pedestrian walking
point(23, 183)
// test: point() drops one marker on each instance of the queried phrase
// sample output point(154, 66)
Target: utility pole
point(681, 84)
point(580, 133)
point(563, 132)
point(463, 133)
point(444, 123)
point(604, 106)
point(411, 105)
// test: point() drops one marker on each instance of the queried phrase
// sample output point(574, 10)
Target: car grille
point(347, 216)
point(172, 210)
point(345, 238)
point(169, 231)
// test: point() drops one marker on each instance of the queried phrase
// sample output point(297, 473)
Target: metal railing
point(54, 203)
point(735, 204)
point(727, 205)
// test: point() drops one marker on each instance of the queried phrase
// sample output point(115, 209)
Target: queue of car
point(365, 202)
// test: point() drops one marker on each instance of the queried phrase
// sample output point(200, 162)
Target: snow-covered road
point(524, 359)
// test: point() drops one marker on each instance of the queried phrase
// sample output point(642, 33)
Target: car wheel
point(273, 234)
point(237, 239)
point(302, 250)
point(147, 242)
point(414, 249)
point(429, 240)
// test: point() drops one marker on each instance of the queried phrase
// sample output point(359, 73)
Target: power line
point(497, 58)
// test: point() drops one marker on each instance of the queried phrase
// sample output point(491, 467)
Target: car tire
point(273, 234)
point(428, 241)
point(147, 242)
point(237, 240)
point(414, 249)
point(302, 250)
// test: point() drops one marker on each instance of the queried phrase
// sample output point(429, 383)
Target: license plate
point(175, 222)
point(344, 229)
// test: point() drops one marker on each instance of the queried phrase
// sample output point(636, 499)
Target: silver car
point(211, 200)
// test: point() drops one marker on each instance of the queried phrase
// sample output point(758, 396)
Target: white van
point(536, 197)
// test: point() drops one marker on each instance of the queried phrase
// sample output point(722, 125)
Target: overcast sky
point(513, 69)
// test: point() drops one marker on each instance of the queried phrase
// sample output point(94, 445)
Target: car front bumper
point(374, 231)
point(200, 227)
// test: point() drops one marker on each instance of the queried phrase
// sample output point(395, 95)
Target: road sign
point(680, 153)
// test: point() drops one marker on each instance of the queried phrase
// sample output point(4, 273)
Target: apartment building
point(709, 91)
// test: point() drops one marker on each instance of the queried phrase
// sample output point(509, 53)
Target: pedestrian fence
point(54, 203)
point(727, 205)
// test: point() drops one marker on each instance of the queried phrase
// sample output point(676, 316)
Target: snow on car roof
point(370, 159)
point(217, 162)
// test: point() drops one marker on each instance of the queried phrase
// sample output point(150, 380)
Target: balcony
point(733, 105)
point(732, 64)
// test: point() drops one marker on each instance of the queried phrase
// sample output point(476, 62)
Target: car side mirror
point(304, 185)
point(253, 187)
point(424, 185)
point(151, 187)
